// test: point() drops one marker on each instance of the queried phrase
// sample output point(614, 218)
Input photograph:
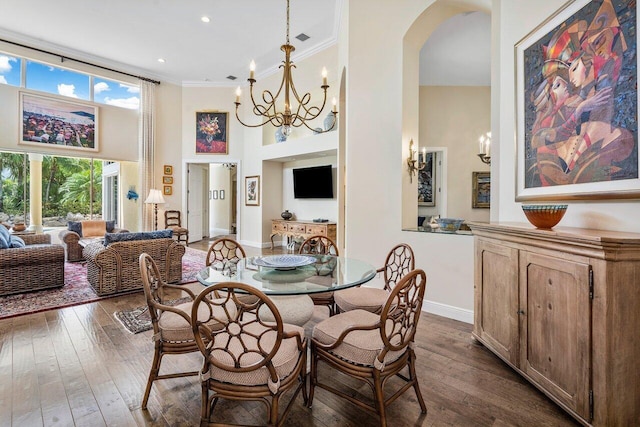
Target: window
point(50, 79)
point(10, 70)
point(115, 93)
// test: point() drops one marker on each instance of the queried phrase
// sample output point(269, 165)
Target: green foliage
point(65, 185)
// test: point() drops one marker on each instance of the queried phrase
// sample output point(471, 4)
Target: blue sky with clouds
point(45, 78)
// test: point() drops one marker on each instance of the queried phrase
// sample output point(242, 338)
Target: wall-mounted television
point(313, 183)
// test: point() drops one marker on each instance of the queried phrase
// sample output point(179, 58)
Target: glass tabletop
point(325, 273)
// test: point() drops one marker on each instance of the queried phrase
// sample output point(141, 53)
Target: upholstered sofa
point(112, 266)
point(84, 230)
point(36, 266)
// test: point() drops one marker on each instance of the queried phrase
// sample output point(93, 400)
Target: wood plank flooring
point(79, 366)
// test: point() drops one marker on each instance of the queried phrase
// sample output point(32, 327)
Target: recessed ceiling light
point(205, 19)
point(161, 60)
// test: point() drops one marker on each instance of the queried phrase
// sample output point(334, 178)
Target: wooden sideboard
point(562, 307)
point(303, 229)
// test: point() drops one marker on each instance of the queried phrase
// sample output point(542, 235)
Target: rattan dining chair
point(321, 245)
point(256, 357)
point(224, 253)
point(173, 220)
point(400, 260)
point(172, 332)
point(371, 347)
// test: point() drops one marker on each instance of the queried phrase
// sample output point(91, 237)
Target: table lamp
point(155, 197)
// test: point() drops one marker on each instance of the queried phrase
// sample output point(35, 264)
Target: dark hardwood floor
point(79, 366)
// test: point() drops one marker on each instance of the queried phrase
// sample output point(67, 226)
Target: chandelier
point(289, 116)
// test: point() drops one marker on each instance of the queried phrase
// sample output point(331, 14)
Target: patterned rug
point(77, 289)
point(138, 319)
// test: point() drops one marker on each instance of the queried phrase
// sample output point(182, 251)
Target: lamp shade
point(155, 196)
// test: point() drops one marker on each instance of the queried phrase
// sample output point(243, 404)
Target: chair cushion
point(358, 347)
point(364, 298)
point(17, 242)
point(177, 229)
point(174, 327)
point(75, 226)
point(93, 228)
point(284, 361)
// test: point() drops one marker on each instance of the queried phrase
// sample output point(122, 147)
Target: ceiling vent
point(231, 77)
point(302, 37)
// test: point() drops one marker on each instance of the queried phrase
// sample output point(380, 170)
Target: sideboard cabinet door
point(496, 302)
point(555, 333)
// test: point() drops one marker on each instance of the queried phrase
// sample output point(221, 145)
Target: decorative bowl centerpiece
point(19, 226)
point(544, 216)
point(449, 225)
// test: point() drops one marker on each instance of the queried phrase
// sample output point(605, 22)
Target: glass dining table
point(289, 279)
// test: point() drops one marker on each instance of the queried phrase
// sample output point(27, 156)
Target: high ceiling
point(132, 35)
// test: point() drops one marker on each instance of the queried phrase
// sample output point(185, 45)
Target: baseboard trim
point(448, 311)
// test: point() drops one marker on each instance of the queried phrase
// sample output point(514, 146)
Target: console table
point(303, 229)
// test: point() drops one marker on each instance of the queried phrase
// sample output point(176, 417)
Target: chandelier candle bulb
point(252, 69)
point(481, 146)
point(238, 93)
point(324, 76)
point(335, 104)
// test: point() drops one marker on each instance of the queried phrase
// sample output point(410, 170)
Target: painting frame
point(168, 180)
point(212, 132)
point(214, 194)
point(168, 170)
point(79, 120)
point(221, 194)
point(252, 190)
point(529, 163)
point(481, 190)
point(427, 179)
point(167, 190)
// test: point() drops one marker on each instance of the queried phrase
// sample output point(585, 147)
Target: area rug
point(78, 291)
point(138, 319)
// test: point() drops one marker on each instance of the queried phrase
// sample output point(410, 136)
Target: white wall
point(516, 19)
point(454, 117)
point(308, 209)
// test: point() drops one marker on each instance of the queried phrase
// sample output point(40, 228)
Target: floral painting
point(212, 133)
point(578, 101)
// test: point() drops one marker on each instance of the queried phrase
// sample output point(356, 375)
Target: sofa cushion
point(3, 243)
point(75, 226)
point(17, 242)
point(145, 235)
point(110, 226)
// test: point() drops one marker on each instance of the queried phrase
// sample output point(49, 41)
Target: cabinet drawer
point(317, 229)
point(296, 228)
point(278, 226)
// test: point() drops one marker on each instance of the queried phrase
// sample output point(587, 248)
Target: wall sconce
point(485, 148)
point(411, 160)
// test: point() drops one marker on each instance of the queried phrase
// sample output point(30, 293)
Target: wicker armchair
point(39, 265)
point(71, 241)
point(115, 268)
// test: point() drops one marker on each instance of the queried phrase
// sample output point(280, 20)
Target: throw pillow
point(110, 226)
point(5, 234)
point(145, 235)
point(3, 243)
point(75, 226)
point(17, 242)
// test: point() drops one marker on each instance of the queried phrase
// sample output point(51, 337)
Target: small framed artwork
point(481, 192)
point(54, 123)
point(168, 170)
point(427, 180)
point(252, 191)
point(168, 190)
point(214, 194)
point(221, 194)
point(212, 132)
point(167, 180)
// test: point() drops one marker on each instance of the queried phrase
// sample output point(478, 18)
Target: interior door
point(195, 202)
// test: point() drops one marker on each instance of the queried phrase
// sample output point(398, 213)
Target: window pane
point(47, 78)
point(9, 70)
point(115, 93)
point(14, 175)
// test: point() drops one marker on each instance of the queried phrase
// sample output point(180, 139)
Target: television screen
point(313, 183)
